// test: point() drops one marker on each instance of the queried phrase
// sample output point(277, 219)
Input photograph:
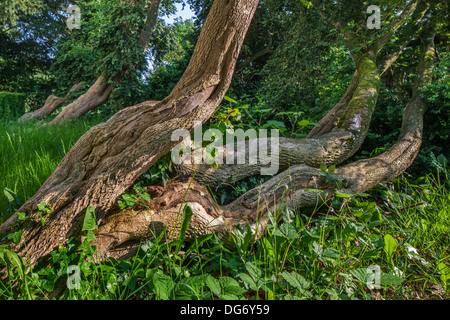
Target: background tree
point(108, 52)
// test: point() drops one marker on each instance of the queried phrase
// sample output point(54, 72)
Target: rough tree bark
point(112, 155)
point(340, 133)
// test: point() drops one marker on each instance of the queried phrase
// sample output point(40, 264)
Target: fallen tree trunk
point(338, 135)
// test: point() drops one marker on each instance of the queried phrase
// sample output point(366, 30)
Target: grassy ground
point(392, 243)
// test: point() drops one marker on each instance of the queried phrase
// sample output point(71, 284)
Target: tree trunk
point(96, 95)
point(120, 233)
point(101, 90)
point(334, 139)
point(112, 155)
point(342, 139)
point(51, 104)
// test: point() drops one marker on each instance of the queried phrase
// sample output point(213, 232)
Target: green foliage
point(172, 58)
point(27, 49)
point(12, 105)
point(395, 93)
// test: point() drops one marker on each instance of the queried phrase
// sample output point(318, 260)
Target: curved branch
point(117, 238)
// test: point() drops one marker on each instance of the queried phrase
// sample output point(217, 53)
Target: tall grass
point(29, 153)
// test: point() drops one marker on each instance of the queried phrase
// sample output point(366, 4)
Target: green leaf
point(288, 230)
point(213, 284)
point(230, 287)
point(163, 285)
point(323, 167)
point(342, 195)
point(90, 220)
point(445, 272)
point(297, 281)
point(229, 99)
point(253, 270)
point(145, 196)
point(15, 236)
point(130, 199)
point(248, 280)
point(22, 216)
point(331, 169)
point(389, 280)
point(390, 245)
point(303, 122)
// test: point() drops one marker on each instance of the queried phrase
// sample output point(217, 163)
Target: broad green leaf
point(445, 272)
point(163, 285)
point(288, 230)
point(15, 236)
point(145, 196)
point(297, 281)
point(303, 122)
point(248, 280)
point(213, 284)
point(389, 280)
point(230, 287)
point(253, 270)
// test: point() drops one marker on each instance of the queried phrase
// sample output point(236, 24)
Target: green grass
point(29, 153)
point(397, 234)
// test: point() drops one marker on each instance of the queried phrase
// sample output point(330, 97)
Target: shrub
point(12, 105)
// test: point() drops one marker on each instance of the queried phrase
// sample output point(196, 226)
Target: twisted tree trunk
point(120, 233)
point(112, 155)
point(340, 133)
